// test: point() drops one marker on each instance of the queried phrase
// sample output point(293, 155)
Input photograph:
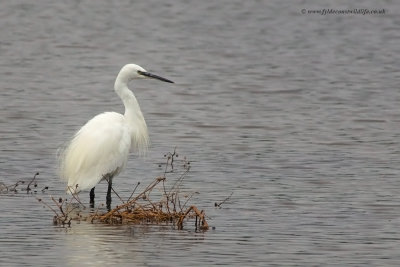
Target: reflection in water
point(98, 244)
point(89, 244)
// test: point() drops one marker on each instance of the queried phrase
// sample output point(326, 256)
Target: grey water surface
point(297, 115)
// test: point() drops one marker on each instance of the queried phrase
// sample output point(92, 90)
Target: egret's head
point(133, 71)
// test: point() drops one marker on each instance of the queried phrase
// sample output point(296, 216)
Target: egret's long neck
point(133, 115)
point(132, 108)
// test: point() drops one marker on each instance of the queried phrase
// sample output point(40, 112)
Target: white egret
point(99, 150)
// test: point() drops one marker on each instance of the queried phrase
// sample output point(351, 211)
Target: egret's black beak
point(151, 75)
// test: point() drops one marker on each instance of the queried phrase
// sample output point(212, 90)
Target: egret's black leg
point(108, 198)
point(92, 198)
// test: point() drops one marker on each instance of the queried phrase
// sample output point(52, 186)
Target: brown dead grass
point(141, 208)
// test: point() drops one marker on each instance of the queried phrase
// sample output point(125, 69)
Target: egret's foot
point(108, 203)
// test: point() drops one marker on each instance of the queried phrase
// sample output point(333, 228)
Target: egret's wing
point(100, 147)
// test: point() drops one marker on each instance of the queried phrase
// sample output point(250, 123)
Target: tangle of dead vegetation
point(141, 208)
point(19, 186)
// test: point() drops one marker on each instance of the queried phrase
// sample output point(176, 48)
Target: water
point(297, 115)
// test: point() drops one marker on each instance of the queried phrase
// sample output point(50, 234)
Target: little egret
point(99, 150)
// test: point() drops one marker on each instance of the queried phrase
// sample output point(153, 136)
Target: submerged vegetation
point(171, 207)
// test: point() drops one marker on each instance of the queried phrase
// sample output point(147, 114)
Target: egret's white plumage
point(101, 147)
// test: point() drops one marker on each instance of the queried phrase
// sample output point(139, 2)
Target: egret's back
point(100, 147)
